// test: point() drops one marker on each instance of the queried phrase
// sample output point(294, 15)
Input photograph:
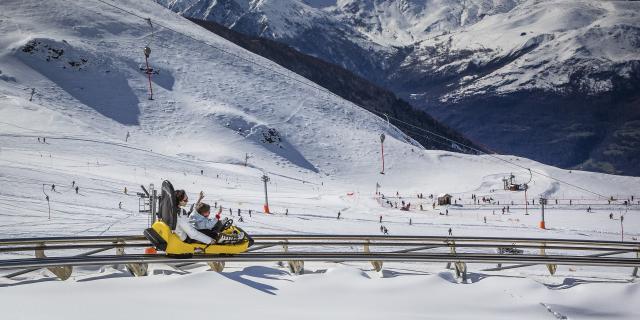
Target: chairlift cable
point(494, 155)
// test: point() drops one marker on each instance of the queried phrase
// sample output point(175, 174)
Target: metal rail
point(21, 272)
point(414, 246)
point(441, 239)
point(74, 246)
point(324, 248)
point(85, 239)
point(325, 257)
point(304, 237)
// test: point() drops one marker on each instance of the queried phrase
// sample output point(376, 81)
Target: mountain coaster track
point(459, 251)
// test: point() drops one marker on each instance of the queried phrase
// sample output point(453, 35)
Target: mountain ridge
point(353, 88)
point(449, 57)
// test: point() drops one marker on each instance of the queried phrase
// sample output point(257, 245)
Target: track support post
point(635, 269)
point(377, 265)
point(136, 269)
point(551, 267)
point(295, 266)
point(460, 267)
point(216, 266)
point(63, 273)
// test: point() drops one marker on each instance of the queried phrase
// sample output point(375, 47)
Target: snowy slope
point(234, 101)
point(453, 59)
point(210, 110)
point(341, 292)
point(274, 18)
point(202, 121)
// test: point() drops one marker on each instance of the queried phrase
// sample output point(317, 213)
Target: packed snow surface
point(71, 74)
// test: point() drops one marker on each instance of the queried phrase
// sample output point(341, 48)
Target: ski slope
point(214, 104)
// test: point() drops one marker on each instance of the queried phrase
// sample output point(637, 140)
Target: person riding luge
point(200, 220)
point(173, 233)
point(184, 230)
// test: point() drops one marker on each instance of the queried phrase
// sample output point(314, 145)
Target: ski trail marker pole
point(382, 137)
point(265, 179)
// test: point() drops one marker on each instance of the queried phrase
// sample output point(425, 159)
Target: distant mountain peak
point(455, 58)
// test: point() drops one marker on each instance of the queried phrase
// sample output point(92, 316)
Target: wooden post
point(136, 269)
point(295, 266)
point(377, 265)
point(216, 266)
point(635, 269)
point(63, 273)
point(551, 267)
point(460, 267)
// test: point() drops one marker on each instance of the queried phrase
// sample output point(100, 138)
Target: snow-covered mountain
point(540, 37)
point(74, 78)
point(85, 66)
point(458, 58)
point(74, 112)
point(354, 88)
